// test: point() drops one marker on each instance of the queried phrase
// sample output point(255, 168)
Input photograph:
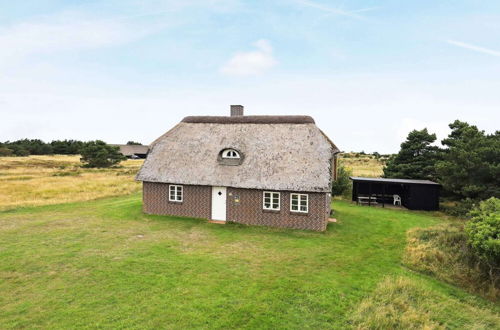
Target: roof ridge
point(249, 120)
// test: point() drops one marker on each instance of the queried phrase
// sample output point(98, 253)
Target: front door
point(219, 203)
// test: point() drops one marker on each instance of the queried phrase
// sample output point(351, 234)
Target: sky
point(368, 71)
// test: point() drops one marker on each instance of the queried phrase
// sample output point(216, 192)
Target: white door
point(219, 203)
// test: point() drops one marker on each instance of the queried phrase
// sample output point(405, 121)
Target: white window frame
point(178, 193)
point(272, 196)
point(300, 198)
point(230, 154)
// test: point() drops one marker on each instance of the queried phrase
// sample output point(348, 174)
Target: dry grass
point(43, 180)
point(363, 165)
point(406, 303)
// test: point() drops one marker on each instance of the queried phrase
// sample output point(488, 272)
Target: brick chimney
point(236, 110)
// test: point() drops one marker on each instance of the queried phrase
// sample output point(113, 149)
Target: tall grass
point(406, 303)
point(363, 165)
point(442, 251)
point(43, 180)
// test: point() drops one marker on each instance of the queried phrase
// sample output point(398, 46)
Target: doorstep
point(217, 222)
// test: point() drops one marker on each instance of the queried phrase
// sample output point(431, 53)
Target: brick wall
point(249, 210)
point(243, 206)
point(196, 202)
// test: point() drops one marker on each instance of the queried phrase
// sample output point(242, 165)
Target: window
point(299, 203)
point(231, 154)
point(271, 201)
point(175, 193)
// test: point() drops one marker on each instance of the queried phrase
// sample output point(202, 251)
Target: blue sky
point(367, 71)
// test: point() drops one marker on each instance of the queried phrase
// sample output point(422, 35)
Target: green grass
point(105, 264)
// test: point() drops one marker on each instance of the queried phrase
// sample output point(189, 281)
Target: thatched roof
point(280, 153)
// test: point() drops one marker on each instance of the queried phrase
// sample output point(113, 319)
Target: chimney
point(236, 110)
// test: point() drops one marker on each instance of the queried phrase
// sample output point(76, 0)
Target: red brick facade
point(196, 202)
point(243, 206)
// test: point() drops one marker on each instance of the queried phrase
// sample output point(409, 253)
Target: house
point(256, 170)
point(133, 150)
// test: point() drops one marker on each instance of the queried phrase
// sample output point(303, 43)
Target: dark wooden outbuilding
point(415, 194)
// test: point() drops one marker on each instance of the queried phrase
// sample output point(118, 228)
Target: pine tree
point(416, 159)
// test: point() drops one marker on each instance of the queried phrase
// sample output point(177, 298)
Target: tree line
point(467, 165)
point(27, 147)
point(94, 153)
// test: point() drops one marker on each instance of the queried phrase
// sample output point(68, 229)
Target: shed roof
point(280, 153)
point(132, 149)
point(384, 180)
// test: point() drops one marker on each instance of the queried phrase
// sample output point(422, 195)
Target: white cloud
point(335, 11)
point(253, 62)
point(62, 32)
point(474, 48)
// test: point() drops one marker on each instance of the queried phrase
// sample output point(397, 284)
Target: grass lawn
point(105, 264)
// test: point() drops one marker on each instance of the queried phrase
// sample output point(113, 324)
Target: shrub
point(4, 151)
point(99, 154)
point(460, 208)
point(22, 152)
point(483, 234)
point(342, 186)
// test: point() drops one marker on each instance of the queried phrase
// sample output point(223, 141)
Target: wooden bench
point(367, 200)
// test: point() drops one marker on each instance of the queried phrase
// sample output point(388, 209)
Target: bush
point(21, 152)
point(4, 151)
point(459, 209)
point(342, 186)
point(483, 234)
point(99, 154)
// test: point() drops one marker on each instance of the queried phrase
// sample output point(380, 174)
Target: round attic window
point(230, 154)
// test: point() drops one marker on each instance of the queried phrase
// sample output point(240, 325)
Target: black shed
point(415, 194)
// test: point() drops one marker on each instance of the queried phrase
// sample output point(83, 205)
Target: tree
point(342, 186)
point(26, 147)
point(483, 233)
point(99, 154)
point(66, 147)
point(416, 159)
point(134, 143)
point(470, 165)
